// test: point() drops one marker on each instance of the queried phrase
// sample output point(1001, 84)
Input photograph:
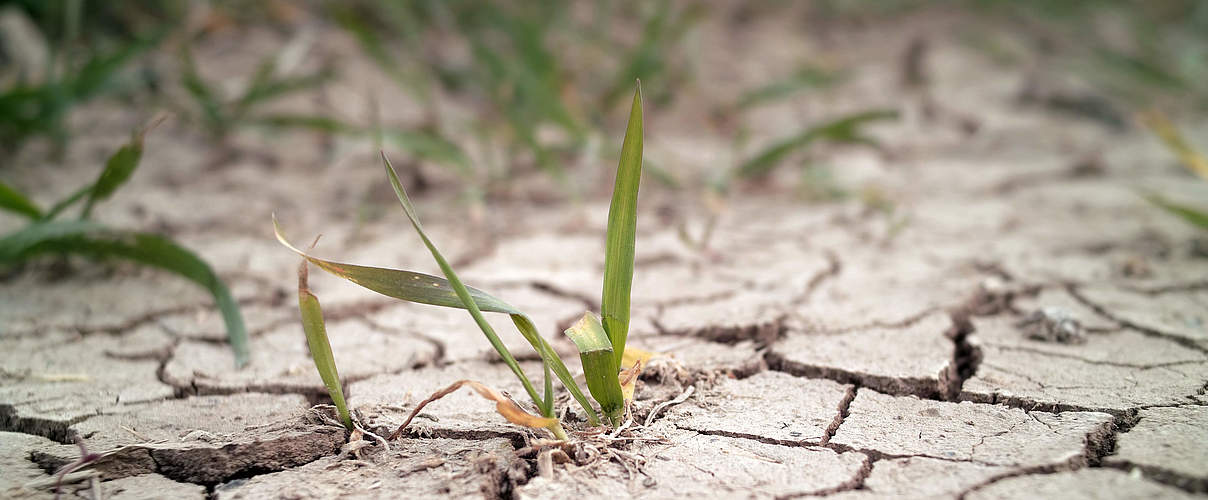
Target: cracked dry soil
point(829, 354)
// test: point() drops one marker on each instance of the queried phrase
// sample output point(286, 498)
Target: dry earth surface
point(825, 349)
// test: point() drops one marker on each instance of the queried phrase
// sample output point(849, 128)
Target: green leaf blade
point(622, 230)
point(463, 293)
point(599, 365)
point(403, 285)
point(841, 130)
point(14, 201)
point(88, 238)
point(118, 169)
point(1193, 216)
point(523, 323)
point(320, 347)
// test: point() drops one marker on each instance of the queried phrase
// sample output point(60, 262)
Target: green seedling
point(30, 109)
point(48, 234)
point(650, 59)
point(533, 104)
point(220, 115)
point(601, 344)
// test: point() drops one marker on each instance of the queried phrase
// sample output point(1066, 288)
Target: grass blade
point(622, 229)
point(1192, 215)
point(843, 130)
point(402, 285)
point(599, 365)
point(16, 202)
point(460, 289)
point(316, 123)
point(118, 169)
point(525, 325)
point(320, 347)
point(1174, 141)
point(808, 77)
point(88, 238)
point(67, 202)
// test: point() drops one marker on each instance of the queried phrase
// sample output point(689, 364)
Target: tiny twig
point(85, 459)
point(435, 396)
point(375, 437)
point(621, 428)
point(662, 406)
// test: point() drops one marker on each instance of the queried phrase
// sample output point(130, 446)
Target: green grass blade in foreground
point(320, 347)
point(523, 323)
point(1193, 216)
point(460, 289)
point(402, 285)
point(622, 228)
point(16, 202)
point(599, 365)
point(845, 129)
point(88, 238)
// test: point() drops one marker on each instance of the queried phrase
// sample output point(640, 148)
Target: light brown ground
point(829, 354)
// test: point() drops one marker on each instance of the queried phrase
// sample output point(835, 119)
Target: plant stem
point(559, 432)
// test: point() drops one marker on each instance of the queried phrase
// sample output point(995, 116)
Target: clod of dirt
point(1114, 371)
point(64, 378)
point(14, 461)
point(915, 359)
point(1167, 445)
point(1180, 316)
point(413, 468)
point(202, 440)
point(770, 406)
point(994, 435)
point(1053, 324)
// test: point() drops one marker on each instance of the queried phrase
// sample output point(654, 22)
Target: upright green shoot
point(622, 230)
point(320, 347)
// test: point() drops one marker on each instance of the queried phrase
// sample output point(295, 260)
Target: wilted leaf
point(1173, 139)
point(629, 379)
point(634, 355)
